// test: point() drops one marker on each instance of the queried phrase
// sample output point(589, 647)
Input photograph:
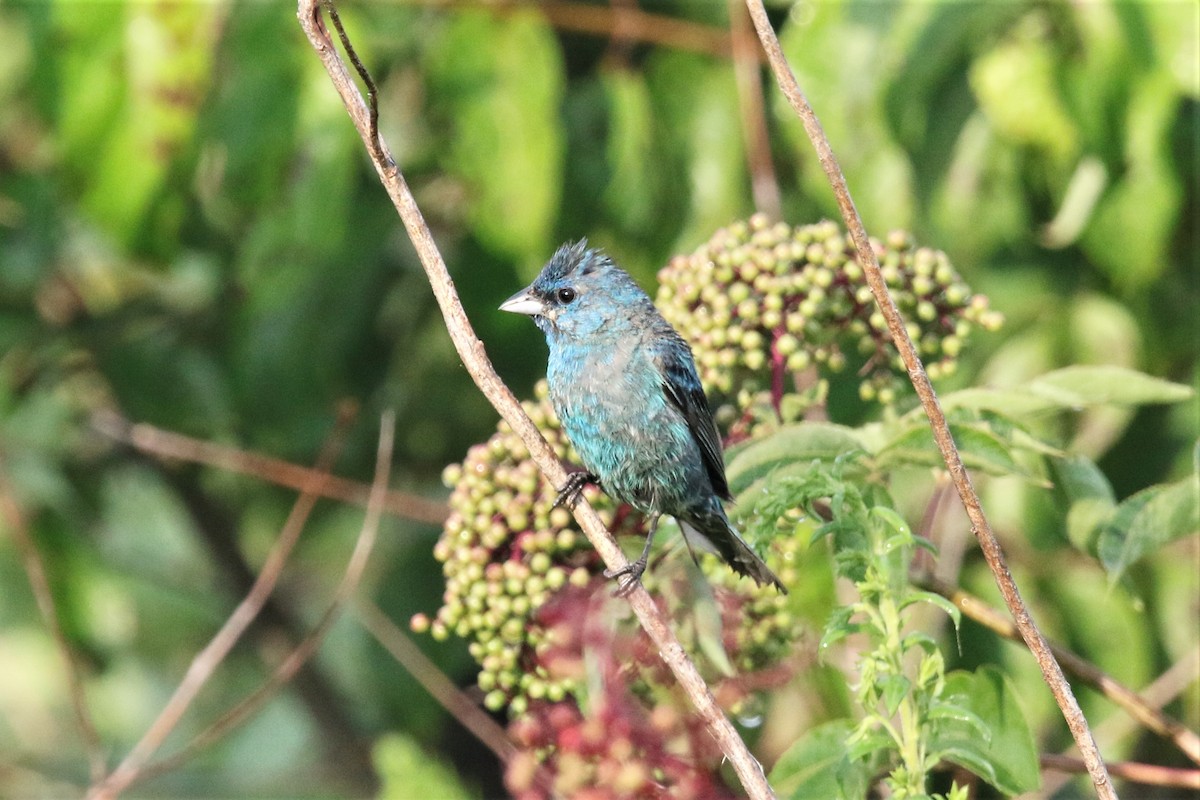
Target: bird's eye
point(565, 295)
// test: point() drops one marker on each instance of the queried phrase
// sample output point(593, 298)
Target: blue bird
point(624, 385)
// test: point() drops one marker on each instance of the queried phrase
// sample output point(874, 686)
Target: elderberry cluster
point(510, 557)
point(505, 550)
point(772, 299)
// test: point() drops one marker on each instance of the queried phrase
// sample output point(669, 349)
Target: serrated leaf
point(868, 743)
point(837, 628)
point(893, 689)
point(816, 765)
point(1006, 757)
point(1147, 521)
point(979, 447)
point(1079, 386)
point(933, 599)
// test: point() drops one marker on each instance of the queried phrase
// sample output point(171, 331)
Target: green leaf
point(1087, 495)
point(933, 599)
point(1007, 757)
point(816, 765)
point(979, 447)
point(803, 443)
point(1079, 386)
point(893, 689)
point(706, 619)
point(405, 771)
point(499, 79)
point(1147, 521)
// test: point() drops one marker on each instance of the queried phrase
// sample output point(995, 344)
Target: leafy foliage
point(190, 235)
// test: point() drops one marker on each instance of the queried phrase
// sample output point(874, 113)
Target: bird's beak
point(524, 302)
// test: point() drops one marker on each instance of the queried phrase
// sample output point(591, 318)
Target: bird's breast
point(613, 409)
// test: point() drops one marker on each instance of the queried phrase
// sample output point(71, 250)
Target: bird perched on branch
point(624, 386)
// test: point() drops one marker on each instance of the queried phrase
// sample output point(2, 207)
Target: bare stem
point(300, 654)
point(170, 445)
point(764, 185)
point(475, 360)
point(35, 571)
point(988, 543)
point(205, 663)
point(449, 696)
point(1132, 771)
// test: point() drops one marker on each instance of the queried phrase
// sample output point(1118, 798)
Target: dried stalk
point(35, 571)
point(205, 663)
point(475, 360)
point(1051, 671)
point(170, 445)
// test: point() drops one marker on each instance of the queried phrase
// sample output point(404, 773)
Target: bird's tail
point(710, 527)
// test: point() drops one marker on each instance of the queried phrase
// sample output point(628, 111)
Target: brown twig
point(764, 185)
point(475, 359)
point(166, 444)
point(1133, 703)
point(296, 659)
point(205, 663)
point(1133, 771)
point(599, 20)
point(992, 552)
point(35, 571)
point(449, 696)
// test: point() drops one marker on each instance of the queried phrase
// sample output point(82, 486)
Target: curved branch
point(474, 357)
point(1051, 671)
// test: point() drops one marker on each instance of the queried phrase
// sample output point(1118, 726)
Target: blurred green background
point(191, 235)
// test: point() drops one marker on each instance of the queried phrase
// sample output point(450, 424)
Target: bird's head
point(579, 293)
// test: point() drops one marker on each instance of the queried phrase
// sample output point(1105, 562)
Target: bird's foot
point(628, 577)
point(569, 494)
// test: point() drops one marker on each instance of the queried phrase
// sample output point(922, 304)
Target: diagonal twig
point(35, 570)
point(988, 543)
point(168, 444)
point(205, 663)
point(475, 360)
point(764, 185)
point(299, 655)
point(449, 696)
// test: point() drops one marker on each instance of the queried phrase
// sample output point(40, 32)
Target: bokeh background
point(191, 236)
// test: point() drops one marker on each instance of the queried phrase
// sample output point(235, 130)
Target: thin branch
point(599, 20)
point(475, 360)
point(1137, 706)
point(205, 663)
point(35, 571)
point(1132, 771)
point(167, 444)
point(299, 655)
point(764, 184)
point(992, 552)
point(449, 696)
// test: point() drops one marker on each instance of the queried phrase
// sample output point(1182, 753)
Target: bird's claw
point(628, 577)
point(569, 494)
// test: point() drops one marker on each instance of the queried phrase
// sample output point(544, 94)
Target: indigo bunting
point(624, 385)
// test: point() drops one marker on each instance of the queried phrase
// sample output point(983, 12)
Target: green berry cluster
point(772, 299)
point(505, 550)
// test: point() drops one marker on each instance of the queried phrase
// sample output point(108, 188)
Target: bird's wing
point(683, 389)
